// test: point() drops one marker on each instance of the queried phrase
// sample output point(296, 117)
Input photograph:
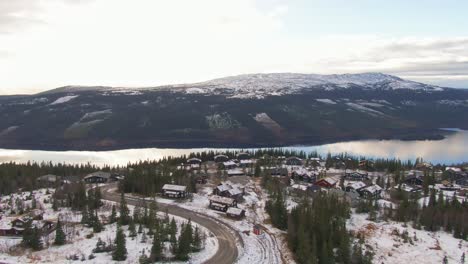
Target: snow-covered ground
point(421, 247)
point(64, 99)
point(78, 243)
point(269, 247)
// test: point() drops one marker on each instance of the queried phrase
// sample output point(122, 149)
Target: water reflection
point(452, 149)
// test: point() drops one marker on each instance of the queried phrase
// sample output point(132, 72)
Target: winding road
point(227, 237)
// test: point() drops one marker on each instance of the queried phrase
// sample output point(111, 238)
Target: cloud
point(52, 43)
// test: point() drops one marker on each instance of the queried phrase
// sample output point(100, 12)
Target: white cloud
point(149, 42)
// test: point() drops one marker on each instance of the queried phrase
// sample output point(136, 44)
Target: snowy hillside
point(261, 85)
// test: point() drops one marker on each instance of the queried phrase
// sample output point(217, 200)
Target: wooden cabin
point(221, 203)
point(174, 191)
point(328, 182)
point(221, 158)
point(293, 161)
point(235, 213)
point(97, 177)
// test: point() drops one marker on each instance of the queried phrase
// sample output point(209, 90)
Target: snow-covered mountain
point(267, 84)
point(259, 85)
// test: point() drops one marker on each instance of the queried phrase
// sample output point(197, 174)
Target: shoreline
point(203, 144)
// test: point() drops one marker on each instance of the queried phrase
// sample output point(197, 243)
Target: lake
point(452, 149)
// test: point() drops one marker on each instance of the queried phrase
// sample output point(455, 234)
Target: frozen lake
point(452, 149)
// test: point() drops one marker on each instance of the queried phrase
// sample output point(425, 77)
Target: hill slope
point(240, 111)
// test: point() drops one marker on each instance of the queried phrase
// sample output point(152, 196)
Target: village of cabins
point(300, 175)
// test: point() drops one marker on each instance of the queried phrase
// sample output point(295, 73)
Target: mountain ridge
point(233, 112)
point(273, 82)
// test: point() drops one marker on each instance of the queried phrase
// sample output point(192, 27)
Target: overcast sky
point(46, 44)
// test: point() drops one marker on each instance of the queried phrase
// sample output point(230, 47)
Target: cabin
point(243, 156)
point(235, 213)
point(221, 203)
point(221, 158)
point(414, 180)
point(355, 186)
point(194, 163)
point(410, 189)
point(221, 189)
point(235, 172)
point(246, 163)
point(293, 161)
point(174, 191)
point(423, 166)
point(415, 173)
point(328, 182)
point(365, 164)
point(226, 190)
point(231, 164)
point(278, 172)
point(356, 176)
point(371, 192)
point(97, 177)
point(314, 162)
point(7, 228)
point(48, 180)
point(303, 174)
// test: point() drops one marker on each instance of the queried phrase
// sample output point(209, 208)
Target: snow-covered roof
point(221, 200)
point(223, 187)
point(229, 163)
point(100, 174)
point(234, 211)
point(301, 187)
point(173, 187)
point(235, 171)
point(247, 161)
point(454, 169)
point(194, 160)
point(331, 180)
point(373, 188)
point(356, 185)
point(235, 191)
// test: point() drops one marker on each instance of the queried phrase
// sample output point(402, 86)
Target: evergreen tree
point(113, 216)
point(120, 250)
point(36, 241)
point(196, 240)
point(96, 223)
point(156, 249)
point(132, 229)
point(124, 211)
point(60, 236)
point(85, 219)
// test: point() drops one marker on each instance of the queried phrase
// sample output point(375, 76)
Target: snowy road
point(227, 237)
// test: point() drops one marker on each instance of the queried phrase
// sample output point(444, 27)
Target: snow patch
point(64, 99)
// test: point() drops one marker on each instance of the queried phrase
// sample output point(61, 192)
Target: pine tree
point(36, 240)
point(60, 236)
point(156, 249)
point(113, 216)
point(140, 228)
point(120, 250)
point(54, 204)
point(85, 219)
point(143, 237)
point(196, 240)
point(132, 229)
point(124, 211)
point(96, 223)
